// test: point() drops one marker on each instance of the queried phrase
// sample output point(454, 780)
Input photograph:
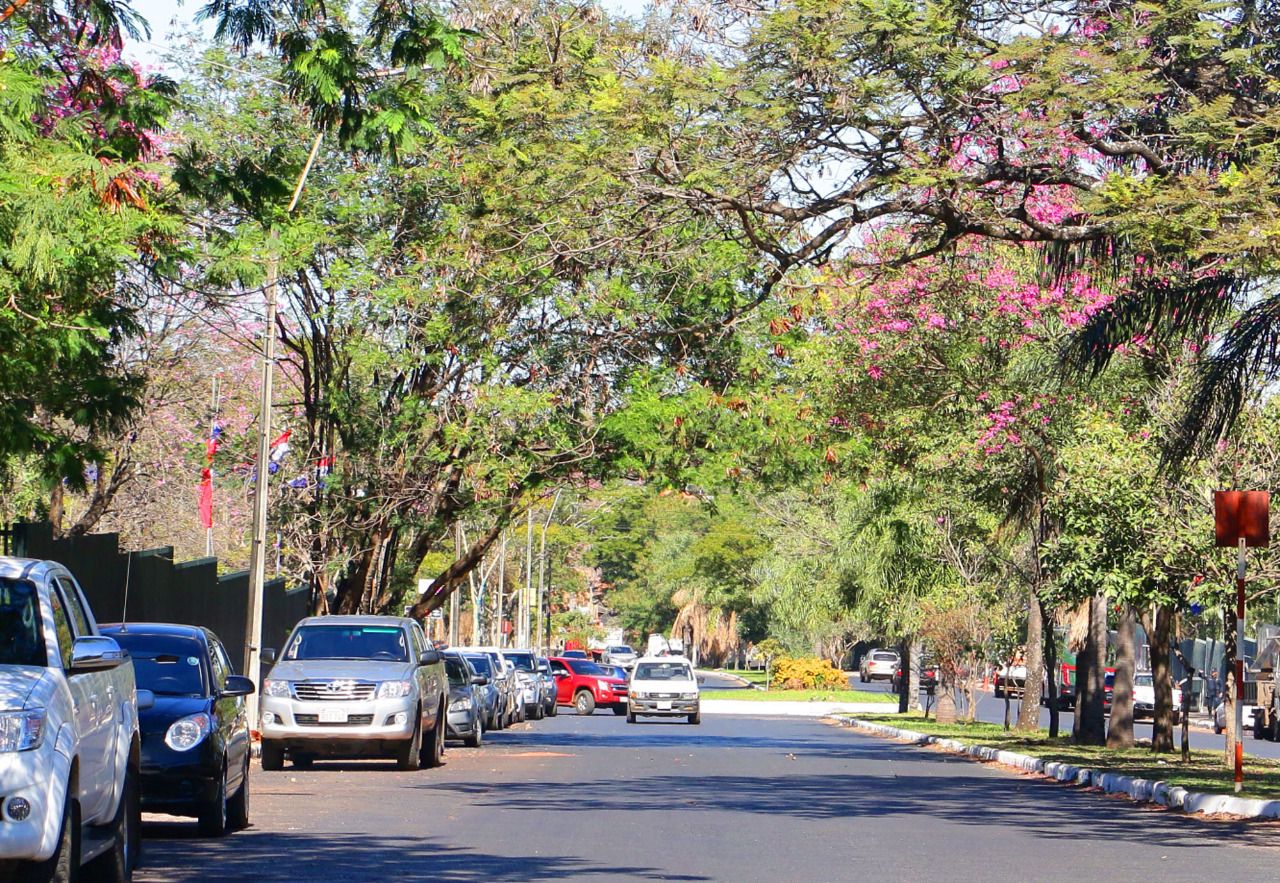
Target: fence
point(156, 589)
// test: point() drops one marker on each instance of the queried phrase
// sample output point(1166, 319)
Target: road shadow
point(170, 855)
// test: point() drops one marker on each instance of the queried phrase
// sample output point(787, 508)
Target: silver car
point(355, 686)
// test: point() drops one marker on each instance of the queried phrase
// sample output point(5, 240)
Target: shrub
point(807, 673)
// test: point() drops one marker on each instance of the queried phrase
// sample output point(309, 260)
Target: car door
point(432, 684)
point(232, 718)
point(422, 675)
point(564, 684)
point(94, 700)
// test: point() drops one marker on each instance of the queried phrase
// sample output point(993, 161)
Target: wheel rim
point(582, 702)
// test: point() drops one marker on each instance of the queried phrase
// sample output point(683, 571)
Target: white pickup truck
point(69, 743)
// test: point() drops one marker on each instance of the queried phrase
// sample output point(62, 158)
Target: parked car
point(355, 686)
point(1144, 697)
point(466, 714)
point(619, 654)
point(529, 685)
point(878, 665)
point(616, 671)
point(504, 672)
point(1067, 688)
point(574, 654)
point(548, 681)
point(928, 676)
point(495, 701)
point(195, 738)
point(69, 735)
point(664, 686)
point(586, 686)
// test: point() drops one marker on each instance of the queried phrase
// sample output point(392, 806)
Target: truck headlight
point(275, 687)
point(605, 686)
point(693, 695)
point(394, 689)
point(187, 732)
point(21, 730)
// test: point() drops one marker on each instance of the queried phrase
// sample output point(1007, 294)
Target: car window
point(522, 661)
point(75, 610)
point(885, 657)
point(557, 665)
point(456, 669)
point(481, 664)
point(62, 625)
point(583, 667)
point(663, 671)
point(21, 629)
point(219, 667)
point(167, 665)
point(389, 643)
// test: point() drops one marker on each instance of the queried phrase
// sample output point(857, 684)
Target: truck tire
point(409, 754)
point(584, 702)
point(272, 756)
point(554, 710)
point(238, 806)
point(619, 710)
point(212, 821)
point(117, 863)
point(62, 866)
point(433, 742)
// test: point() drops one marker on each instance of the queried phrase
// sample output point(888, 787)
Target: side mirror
point(479, 681)
point(561, 674)
point(268, 655)
point(95, 654)
point(238, 685)
point(146, 699)
point(429, 657)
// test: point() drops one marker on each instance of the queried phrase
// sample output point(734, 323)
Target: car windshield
point(457, 671)
point(1142, 681)
point(621, 648)
point(388, 643)
point(885, 657)
point(522, 661)
point(21, 637)
point(481, 664)
point(582, 667)
point(164, 664)
point(663, 671)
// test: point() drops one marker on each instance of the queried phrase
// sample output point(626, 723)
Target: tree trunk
point(1051, 669)
point(57, 508)
point(1162, 717)
point(1029, 710)
point(946, 713)
point(904, 682)
point(1229, 700)
point(913, 679)
point(1120, 732)
point(1082, 686)
point(1092, 714)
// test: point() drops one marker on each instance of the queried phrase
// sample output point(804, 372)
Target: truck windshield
point(663, 671)
point(522, 661)
point(349, 642)
point(21, 637)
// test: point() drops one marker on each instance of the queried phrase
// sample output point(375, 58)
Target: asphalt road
point(992, 709)
point(740, 799)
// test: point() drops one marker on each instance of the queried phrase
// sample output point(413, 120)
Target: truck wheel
point(212, 821)
point(695, 718)
point(409, 754)
point(631, 717)
point(433, 742)
point(63, 865)
point(117, 863)
point(554, 710)
point(238, 806)
point(272, 756)
point(584, 702)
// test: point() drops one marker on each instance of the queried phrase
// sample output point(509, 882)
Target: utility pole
point(213, 428)
point(544, 624)
point(526, 593)
point(258, 552)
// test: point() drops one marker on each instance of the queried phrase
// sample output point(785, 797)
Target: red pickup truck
point(586, 686)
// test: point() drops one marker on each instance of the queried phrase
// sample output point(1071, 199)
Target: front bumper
point(663, 707)
point(374, 726)
point(40, 777)
point(462, 723)
point(178, 782)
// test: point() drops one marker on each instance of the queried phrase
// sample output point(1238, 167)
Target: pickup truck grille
point(353, 720)
point(333, 690)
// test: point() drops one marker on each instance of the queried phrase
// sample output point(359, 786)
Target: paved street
point(734, 799)
point(992, 709)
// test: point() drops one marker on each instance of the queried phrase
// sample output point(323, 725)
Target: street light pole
point(1240, 565)
point(258, 553)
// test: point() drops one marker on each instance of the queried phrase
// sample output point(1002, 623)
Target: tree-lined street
point(734, 799)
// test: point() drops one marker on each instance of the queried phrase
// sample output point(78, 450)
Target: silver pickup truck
point(69, 743)
point(355, 686)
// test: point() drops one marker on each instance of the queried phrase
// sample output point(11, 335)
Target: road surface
point(736, 799)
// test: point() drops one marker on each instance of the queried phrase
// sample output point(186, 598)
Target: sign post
point(1241, 519)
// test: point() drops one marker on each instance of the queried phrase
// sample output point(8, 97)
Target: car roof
point(370, 619)
point(25, 568)
point(166, 629)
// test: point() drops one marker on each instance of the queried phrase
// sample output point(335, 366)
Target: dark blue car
point(195, 739)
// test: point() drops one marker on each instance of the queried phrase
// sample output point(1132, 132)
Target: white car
point(663, 686)
point(878, 665)
point(69, 741)
point(1144, 697)
point(620, 654)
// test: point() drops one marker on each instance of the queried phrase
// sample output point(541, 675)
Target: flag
point(211, 446)
point(206, 497)
point(280, 447)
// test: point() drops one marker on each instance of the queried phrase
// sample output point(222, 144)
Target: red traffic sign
point(1241, 515)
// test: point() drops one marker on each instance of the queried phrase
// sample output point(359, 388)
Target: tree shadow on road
point(170, 855)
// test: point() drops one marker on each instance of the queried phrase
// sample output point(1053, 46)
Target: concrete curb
point(1144, 790)
point(789, 709)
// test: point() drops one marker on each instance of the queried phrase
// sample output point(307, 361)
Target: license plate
point(664, 706)
point(333, 716)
